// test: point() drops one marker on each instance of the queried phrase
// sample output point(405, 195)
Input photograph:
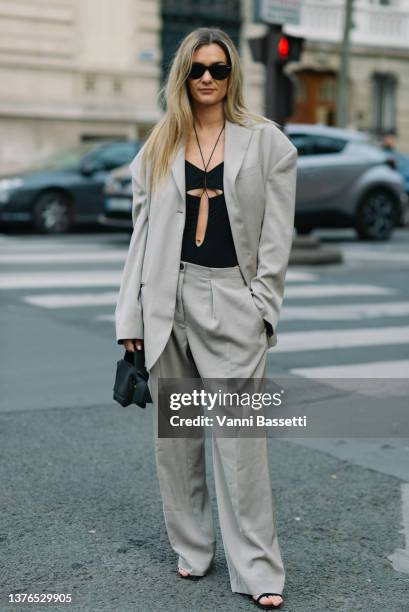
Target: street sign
point(277, 11)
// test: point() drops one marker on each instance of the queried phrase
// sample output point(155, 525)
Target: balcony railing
point(374, 26)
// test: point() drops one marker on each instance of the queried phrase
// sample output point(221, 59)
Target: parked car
point(117, 208)
point(402, 162)
point(65, 189)
point(346, 180)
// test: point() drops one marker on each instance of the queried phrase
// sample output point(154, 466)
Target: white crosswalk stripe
point(372, 369)
point(346, 312)
point(28, 246)
point(341, 338)
point(94, 278)
point(61, 257)
point(72, 300)
point(319, 291)
point(39, 280)
point(380, 257)
point(297, 275)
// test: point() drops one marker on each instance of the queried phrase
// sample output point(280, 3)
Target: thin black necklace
point(206, 165)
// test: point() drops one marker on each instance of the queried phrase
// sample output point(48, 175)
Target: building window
point(90, 81)
point(327, 90)
point(383, 102)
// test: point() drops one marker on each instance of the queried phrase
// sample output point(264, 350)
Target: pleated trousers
point(218, 332)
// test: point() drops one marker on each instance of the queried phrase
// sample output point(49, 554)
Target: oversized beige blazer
point(260, 165)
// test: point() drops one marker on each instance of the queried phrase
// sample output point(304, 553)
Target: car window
point(315, 144)
point(63, 158)
point(303, 142)
point(328, 144)
point(116, 154)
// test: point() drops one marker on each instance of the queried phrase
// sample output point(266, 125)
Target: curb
point(315, 257)
point(308, 250)
point(306, 242)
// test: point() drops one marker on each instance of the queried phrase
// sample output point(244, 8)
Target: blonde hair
point(177, 123)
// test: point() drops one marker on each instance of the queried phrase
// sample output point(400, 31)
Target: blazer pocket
point(260, 318)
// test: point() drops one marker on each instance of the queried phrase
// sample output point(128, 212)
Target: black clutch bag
point(131, 380)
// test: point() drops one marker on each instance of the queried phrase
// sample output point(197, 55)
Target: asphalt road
point(80, 507)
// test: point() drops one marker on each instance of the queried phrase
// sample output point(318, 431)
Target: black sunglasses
point(218, 71)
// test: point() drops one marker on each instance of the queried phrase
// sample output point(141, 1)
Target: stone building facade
point(74, 70)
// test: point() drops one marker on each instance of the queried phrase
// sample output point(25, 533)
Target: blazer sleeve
point(276, 238)
point(128, 311)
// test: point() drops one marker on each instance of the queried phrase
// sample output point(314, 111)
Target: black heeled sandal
point(189, 576)
point(267, 606)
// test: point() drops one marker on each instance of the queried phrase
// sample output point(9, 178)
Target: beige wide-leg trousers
point(218, 332)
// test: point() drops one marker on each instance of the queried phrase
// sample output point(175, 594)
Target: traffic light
point(282, 48)
point(275, 49)
point(287, 48)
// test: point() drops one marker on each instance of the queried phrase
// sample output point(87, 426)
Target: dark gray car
point(66, 188)
point(346, 180)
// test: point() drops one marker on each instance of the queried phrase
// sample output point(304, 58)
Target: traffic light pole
point(342, 93)
point(270, 93)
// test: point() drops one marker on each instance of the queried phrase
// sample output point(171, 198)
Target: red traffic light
point(283, 48)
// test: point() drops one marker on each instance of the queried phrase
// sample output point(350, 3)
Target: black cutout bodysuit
point(217, 249)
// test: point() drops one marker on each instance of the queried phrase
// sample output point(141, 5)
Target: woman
point(201, 291)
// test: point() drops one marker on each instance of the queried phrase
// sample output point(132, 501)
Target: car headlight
point(7, 184)
point(116, 186)
point(112, 185)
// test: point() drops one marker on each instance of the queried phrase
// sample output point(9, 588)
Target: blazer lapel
point(236, 141)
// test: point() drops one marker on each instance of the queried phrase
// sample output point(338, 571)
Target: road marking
point(348, 312)
point(72, 300)
point(30, 246)
point(68, 257)
point(70, 278)
point(100, 255)
point(375, 369)
point(39, 280)
point(105, 317)
point(400, 558)
point(296, 275)
point(377, 256)
point(289, 342)
point(319, 291)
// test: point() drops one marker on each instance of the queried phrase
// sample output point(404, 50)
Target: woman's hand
point(132, 345)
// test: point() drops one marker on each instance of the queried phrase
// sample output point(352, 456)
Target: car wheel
point(52, 213)
point(376, 216)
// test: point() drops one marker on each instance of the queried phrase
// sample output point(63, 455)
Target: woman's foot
point(185, 574)
point(270, 601)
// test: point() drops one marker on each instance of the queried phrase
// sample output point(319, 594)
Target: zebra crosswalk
point(336, 322)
